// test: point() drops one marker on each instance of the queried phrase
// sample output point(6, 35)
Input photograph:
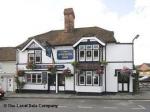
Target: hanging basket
point(67, 72)
point(20, 73)
point(52, 69)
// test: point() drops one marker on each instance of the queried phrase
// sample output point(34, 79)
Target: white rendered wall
point(119, 52)
point(69, 83)
point(111, 79)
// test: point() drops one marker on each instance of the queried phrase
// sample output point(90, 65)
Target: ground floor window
point(89, 78)
point(35, 78)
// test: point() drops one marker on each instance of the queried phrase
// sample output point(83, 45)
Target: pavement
point(144, 95)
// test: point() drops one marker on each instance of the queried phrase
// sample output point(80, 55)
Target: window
point(35, 57)
point(61, 80)
point(28, 78)
point(82, 79)
point(88, 77)
point(31, 57)
point(38, 56)
point(35, 78)
point(96, 52)
point(95, 79)
point(89, 52)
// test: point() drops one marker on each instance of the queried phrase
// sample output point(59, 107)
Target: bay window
point(35, 78)
point(89, 52)
point(90, 78)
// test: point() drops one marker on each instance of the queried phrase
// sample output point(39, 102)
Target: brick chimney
point(69, 19)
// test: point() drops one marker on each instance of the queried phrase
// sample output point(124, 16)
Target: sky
point(20, 19)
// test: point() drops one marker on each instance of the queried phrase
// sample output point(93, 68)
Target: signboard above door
point(65, 54)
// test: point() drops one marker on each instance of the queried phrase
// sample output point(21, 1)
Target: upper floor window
point(89, 52)
point(35, 57)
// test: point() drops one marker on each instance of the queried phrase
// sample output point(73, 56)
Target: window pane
point(39, 78)
point(28, 78)
point(95, 53)
point(33, 78)
point(31, 57)
point(89, 79)
point(95, 78)
point(38, 59)
point(82, 81)
point(61, 80)
point(88, 53)
point(82, 47)
point(38, 56)
point(82, 54)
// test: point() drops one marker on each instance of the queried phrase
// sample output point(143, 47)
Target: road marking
point(62, 106)
point(110, 107)
point(85, 107)
point(140, 107)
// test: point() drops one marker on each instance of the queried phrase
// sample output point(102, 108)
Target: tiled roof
point(60, 37)
point(7, 54)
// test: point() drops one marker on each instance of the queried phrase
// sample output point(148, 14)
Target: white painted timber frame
point(89, 38)
point(33, 40)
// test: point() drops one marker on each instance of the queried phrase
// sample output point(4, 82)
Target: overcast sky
point(20, 19)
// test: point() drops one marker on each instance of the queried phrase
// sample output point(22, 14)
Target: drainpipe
point(56, 82)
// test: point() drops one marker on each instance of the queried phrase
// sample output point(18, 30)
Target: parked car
point(1, 92)
point(144, 79)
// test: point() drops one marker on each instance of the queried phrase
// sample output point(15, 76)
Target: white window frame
point(96, 58)
point(82, 75)
point(94, 74)
point(96, 48)
point(29, 55)
point(81, 58)
point(36, 78)
point(40, 55)
point(88, 73)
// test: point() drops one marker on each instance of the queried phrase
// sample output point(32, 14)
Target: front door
point(51, 82)
point(123, 83)
point(61, 82)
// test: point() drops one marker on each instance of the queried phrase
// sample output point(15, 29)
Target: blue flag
point(48, 51)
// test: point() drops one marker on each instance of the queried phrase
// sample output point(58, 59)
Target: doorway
point(123, 82)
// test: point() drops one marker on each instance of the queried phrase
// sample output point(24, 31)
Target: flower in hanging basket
point(100, 70)
point(67, 72)
point(126, 71)
point(20, 73)
point(31, 65)
point(52, 69)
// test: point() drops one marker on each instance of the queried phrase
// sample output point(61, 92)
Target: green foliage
point(20, 84)
point(103, 62)
point(75, 63)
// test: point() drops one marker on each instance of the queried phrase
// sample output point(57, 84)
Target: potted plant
point(31, 65)
point(67, 72)
point(52, 69)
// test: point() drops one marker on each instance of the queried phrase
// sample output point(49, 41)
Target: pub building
point(77, 60)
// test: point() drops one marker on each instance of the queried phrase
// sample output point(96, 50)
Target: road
point(72, 105)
